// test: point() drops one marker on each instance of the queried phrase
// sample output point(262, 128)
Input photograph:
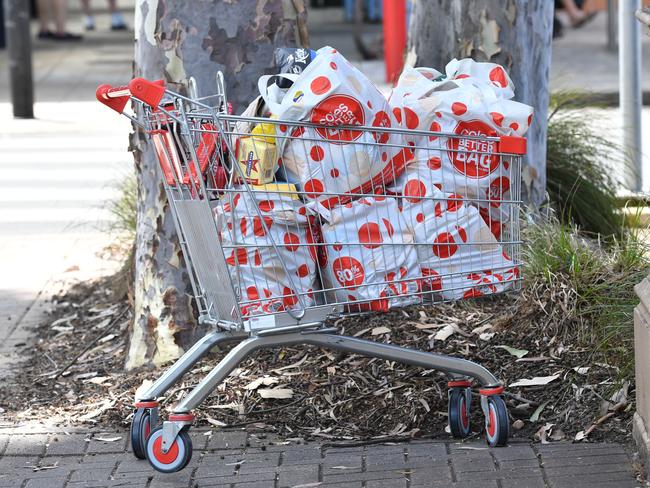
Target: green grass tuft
point(586, 286)
point(124, 209)
point(580, 184)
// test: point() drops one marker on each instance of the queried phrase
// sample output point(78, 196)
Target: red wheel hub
point(492, 427)
point(463, 414)
point(165, 457)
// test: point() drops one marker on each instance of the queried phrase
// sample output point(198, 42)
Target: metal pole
point(19, 50)
point(611, 25)
point(629, 78)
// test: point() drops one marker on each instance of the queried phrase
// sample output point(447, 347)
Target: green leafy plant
point(580, 183)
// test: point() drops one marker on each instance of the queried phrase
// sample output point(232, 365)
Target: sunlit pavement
point(236, 459)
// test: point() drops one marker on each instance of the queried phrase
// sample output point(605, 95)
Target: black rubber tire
point(497, 435)
point(141, 419)
point(177, 464)
point(459, 421)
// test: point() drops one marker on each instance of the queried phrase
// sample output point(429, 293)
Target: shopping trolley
point(262, 258)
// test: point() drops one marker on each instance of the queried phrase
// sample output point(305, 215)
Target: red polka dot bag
point(329, 163)
point(458, 255)
point(471, 100)
point(369, 256)
point(268, 244)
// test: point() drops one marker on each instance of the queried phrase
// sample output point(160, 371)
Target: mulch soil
point(74, 375)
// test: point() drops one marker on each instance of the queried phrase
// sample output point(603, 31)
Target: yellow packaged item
point(257, 158)
point(281, 189)
point(264, 131)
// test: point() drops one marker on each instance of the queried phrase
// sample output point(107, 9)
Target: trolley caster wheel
point(496, 422)
point(140, 430)
point(176, 458)
point(458, 410)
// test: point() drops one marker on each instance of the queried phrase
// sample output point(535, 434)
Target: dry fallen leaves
point(536, 381)
point(279, 393)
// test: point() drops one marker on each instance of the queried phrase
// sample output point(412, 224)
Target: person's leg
point(349, 9)
point(573, 11)
point(117, 21)
point(88, 13)
point(60, 11)
point(44, 16)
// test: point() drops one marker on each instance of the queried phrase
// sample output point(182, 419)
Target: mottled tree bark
point(513, 33)
point(176, 39)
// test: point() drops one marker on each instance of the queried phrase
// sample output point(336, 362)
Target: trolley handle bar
point(149, 92)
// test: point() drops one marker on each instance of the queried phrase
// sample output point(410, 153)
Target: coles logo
point(471, 157)
point(348, 272)
point(338, 110)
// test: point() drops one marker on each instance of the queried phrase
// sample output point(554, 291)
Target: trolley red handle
point(149, 92)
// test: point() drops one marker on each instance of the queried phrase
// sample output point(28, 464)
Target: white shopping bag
point(270, 278)
point(327, 163)
point(471, 101)
point(370, 256)
point(457, 253)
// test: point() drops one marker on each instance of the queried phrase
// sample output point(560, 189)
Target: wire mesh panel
point(354, 218)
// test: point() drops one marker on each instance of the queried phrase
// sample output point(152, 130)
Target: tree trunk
point(515, 34)
point(176, 39)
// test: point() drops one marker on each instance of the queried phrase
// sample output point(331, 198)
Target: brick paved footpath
point(235, 459)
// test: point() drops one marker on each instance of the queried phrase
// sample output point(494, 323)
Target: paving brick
point(24, 445)
point(386, 483)
point(427, 462)
point(267, 458)
point(133, 466)
point(588, 460)
point(422, 475)
point(141, 482)
point(46, 483)
point(11, 481)
point(589, 469)
point(463, 465)
point(301, 456)
point(500, 474)
point(373, 475)
point(342, 468)
point(523, 483)
point(67, 444)
point(98, 446)
point(512, 453)
point(577, 450)
point(4, 440)
point(210, 470)
point(175, 480)
point(447, 484)
point(267, 477)
point(253, 484)
point(343, 484)
point(519, 463)
point(386, 463)
point(227, 440)
point(94, 474)
point(431, 449)
point(297, 475)
point(586, 478)
point(199, 440)
point(18, 464)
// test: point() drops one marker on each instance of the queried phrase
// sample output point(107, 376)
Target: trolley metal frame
point(215, 292)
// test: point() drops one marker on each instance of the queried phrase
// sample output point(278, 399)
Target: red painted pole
point(394, 37)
